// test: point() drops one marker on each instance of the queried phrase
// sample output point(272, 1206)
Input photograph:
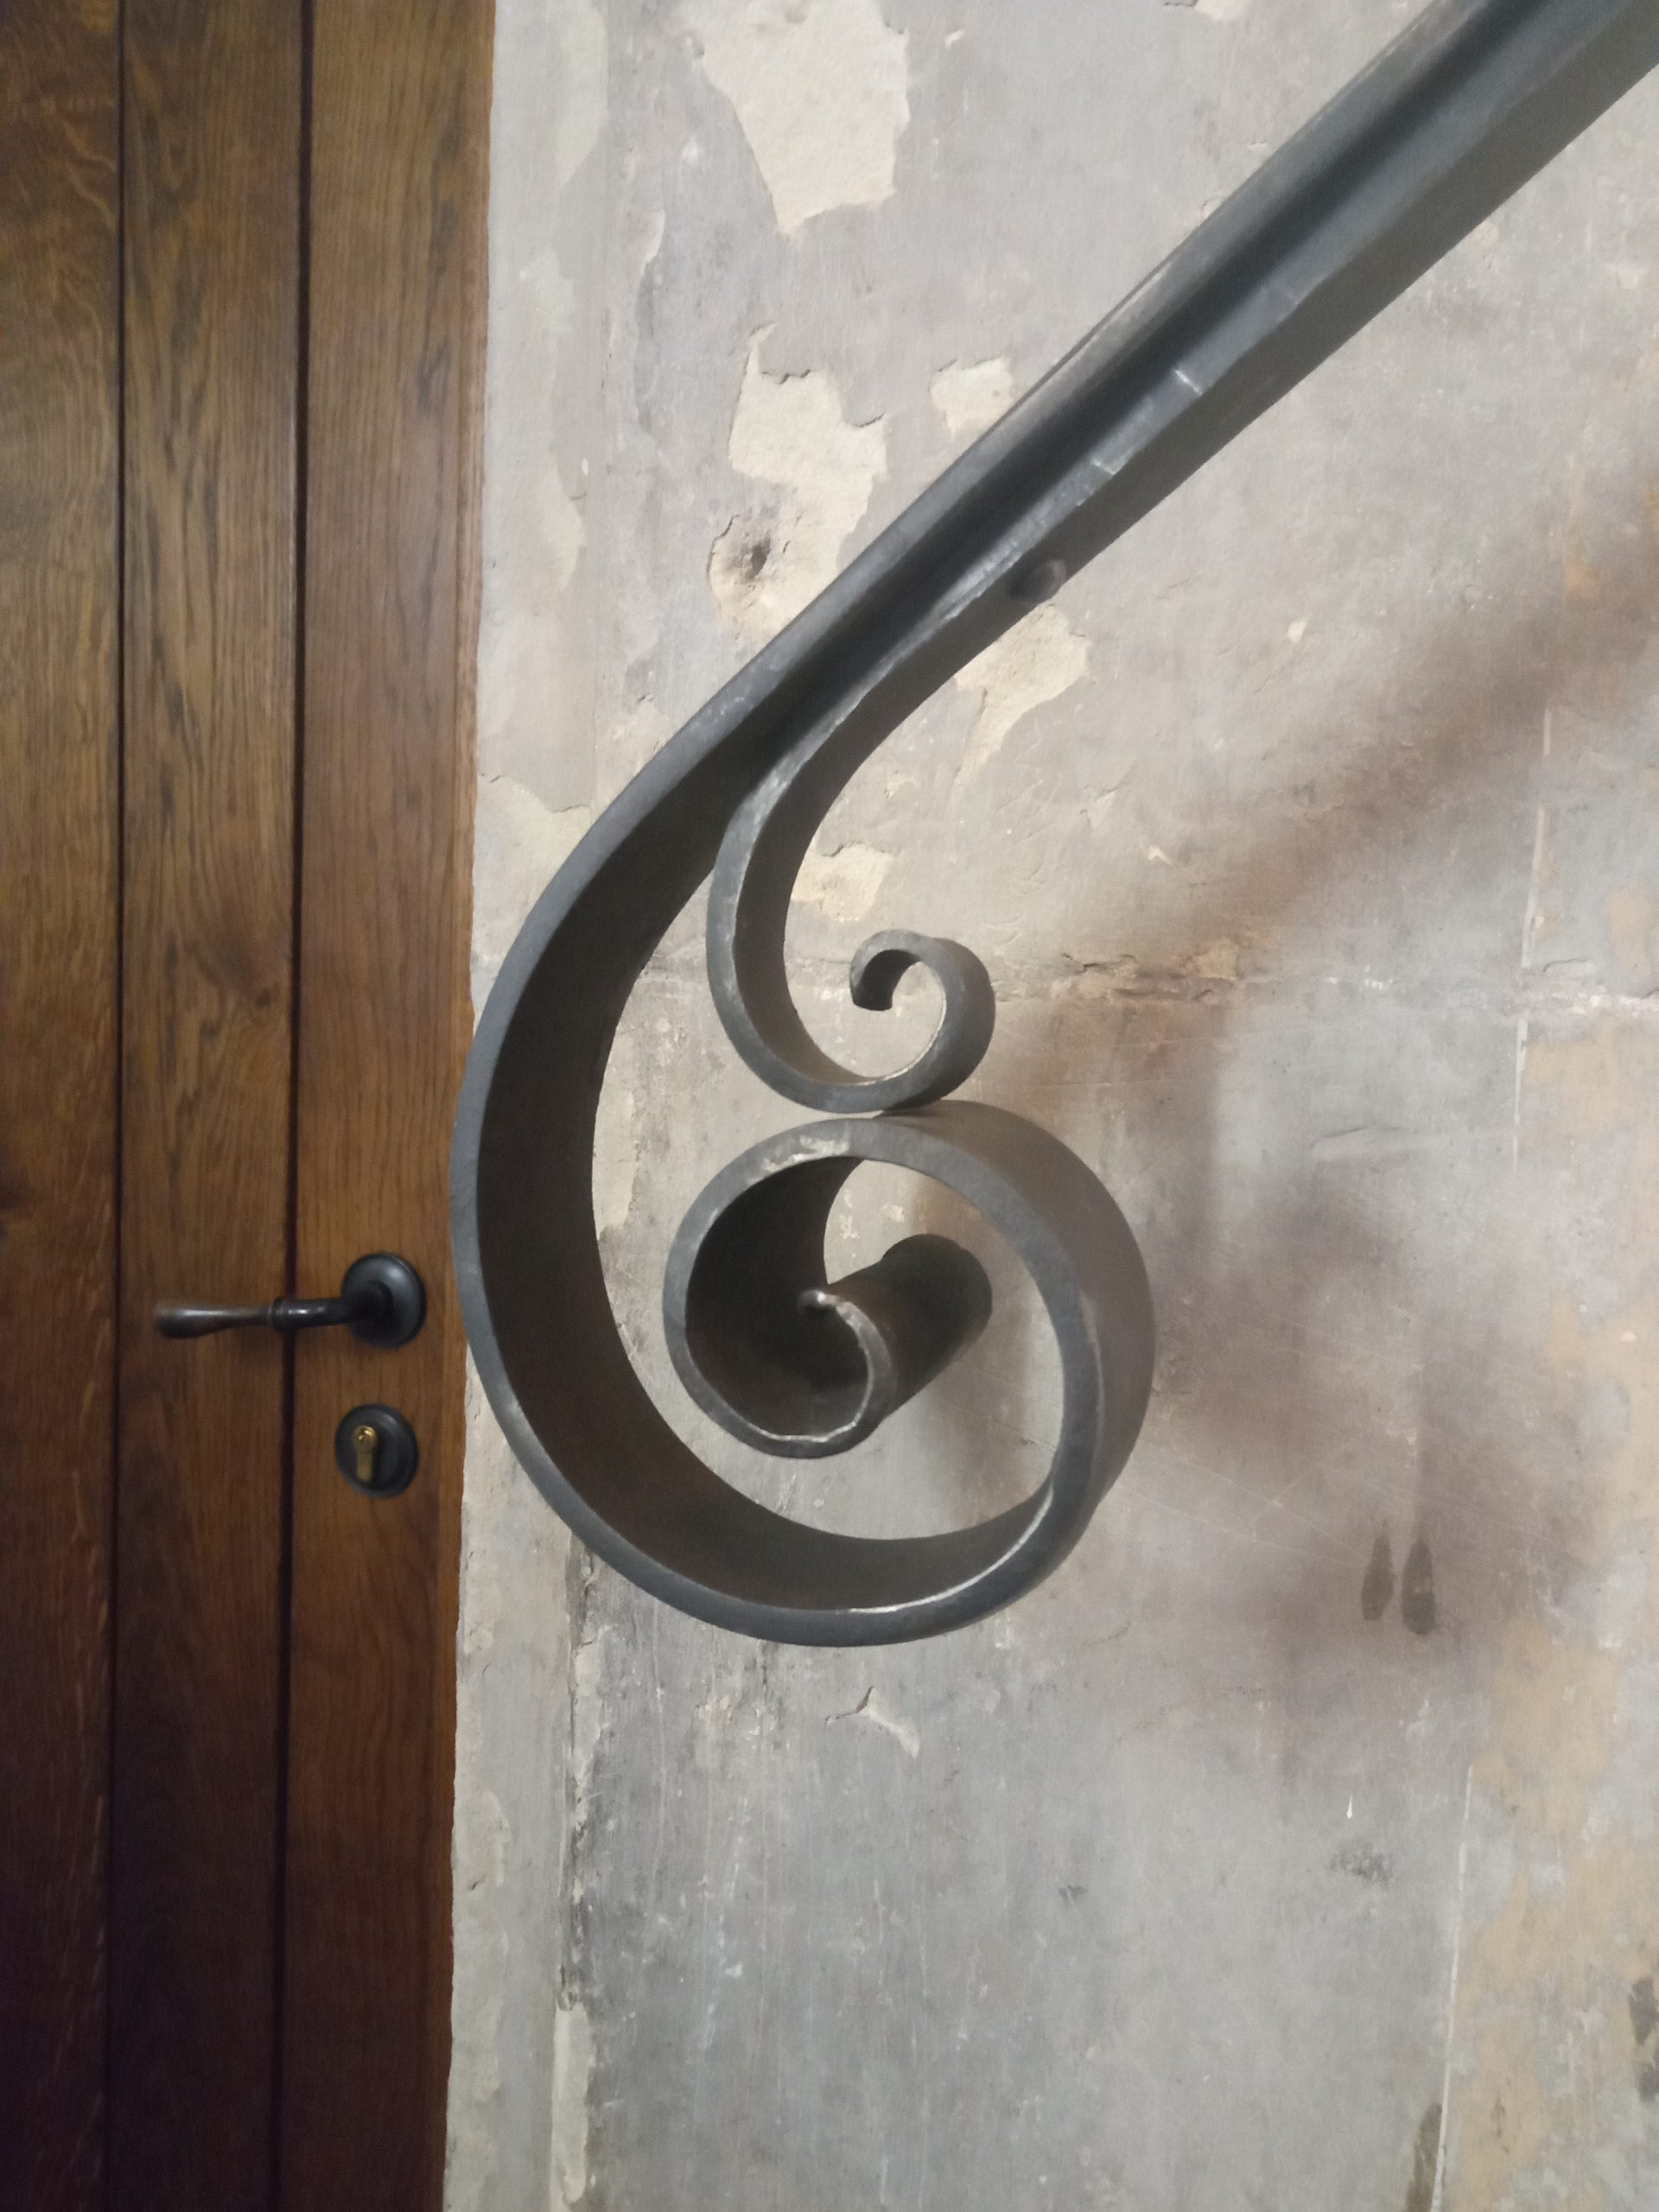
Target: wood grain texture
point(212, 229)
point(59, 796)
point(398, 118)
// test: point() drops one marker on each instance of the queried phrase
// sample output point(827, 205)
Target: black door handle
point(382, 1301)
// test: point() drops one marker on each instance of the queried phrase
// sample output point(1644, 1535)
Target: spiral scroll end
point(787, 1361)
point(967, 1018)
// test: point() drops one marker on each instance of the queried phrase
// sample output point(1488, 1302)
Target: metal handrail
point(1426, 142)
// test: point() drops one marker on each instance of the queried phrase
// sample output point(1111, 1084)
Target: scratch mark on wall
point(1040, 658)
point(820, 88)
point(1535, 887)
point(573, 2074)
point(1369, 1145)
point(869, 1707)
point(791, 434)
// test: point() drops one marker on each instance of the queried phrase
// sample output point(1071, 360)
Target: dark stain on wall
point(1377, 1588)
point(1425, 2158)
point(1374, 1868)
point(1417, 1606)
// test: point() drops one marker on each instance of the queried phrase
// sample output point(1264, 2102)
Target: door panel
point(59, 802)
point(397, 263)
point(212, 237)
point(234, 998)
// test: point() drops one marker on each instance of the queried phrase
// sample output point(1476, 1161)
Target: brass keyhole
point(375, 1451)
point(366, 1441)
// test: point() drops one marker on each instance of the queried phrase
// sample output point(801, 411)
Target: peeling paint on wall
point(969, 396)
point(791, 435)
point(820, 88)
point(843, 882)
point(1036, 661)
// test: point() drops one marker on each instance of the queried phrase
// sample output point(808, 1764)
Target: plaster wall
point(1293, 1849)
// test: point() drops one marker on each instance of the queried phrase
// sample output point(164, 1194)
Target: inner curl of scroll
point(783, 1359)
point(760, 857)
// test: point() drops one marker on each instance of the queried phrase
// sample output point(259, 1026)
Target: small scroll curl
point(761, 858)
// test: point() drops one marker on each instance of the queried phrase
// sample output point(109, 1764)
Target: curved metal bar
point(767, 1344)
point(1439, 129)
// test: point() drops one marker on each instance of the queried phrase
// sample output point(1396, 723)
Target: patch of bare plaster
point(969, 396)
point(791, 434)
point(573, 2074)
point(820, 88)
point(1542, 2060)
point(844, 884)
point(616, 1147)
point(1040, 658)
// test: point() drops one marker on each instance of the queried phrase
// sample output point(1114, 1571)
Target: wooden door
point(240, 308)
point(60, 801)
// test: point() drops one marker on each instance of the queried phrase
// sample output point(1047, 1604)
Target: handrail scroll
point(1472, 99)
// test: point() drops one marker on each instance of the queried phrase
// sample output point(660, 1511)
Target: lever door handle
point(382, 1301)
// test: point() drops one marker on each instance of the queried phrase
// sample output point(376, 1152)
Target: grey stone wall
point(1293, 1849)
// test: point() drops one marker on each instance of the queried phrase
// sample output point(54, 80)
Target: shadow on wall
point(1271, 1421)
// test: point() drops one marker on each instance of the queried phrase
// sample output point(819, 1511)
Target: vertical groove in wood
point(398, 113)
point(58, 798)
point(212, 120)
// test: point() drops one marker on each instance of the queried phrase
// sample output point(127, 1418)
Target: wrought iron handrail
point(1443, 126)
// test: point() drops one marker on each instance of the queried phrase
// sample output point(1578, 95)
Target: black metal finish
point(763, 1342)
point(375, 1450)
point(1474, 98)
point(382, 1301)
